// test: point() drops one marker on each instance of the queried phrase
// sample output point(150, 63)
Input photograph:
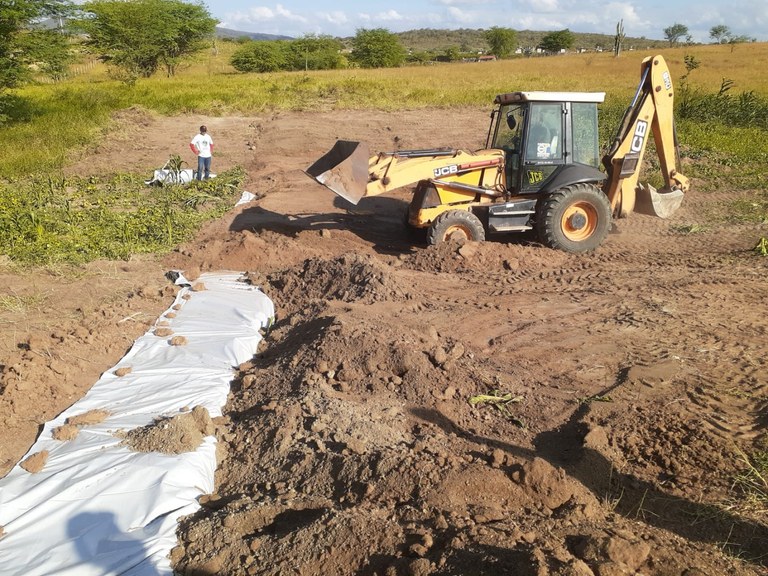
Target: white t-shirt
point(203, 143)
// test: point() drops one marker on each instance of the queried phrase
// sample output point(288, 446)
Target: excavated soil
point(494, 408)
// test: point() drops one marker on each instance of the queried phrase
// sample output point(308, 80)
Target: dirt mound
point(349, 430)
point(172, 435)
point(34, 463)
point(347, 278)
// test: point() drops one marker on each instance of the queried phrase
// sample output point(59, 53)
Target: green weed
point(688, 228)
point(752, 209)
point(501, 401)
point(594, 398)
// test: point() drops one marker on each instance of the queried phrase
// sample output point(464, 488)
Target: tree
point(377, 48)
point(420, 57)
point(502, 41)
point(22, 44)
point(316, 52)
point(733, 40)
point(139, 36)
point(307, 53)
point(720, 34)
point(618, 40)
point(558, 41)
point(452, 54)
point(675, 32)
point(48, 51)
point(741, 39)
point(261, 56)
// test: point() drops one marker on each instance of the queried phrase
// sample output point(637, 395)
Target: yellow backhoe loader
point(539, 171)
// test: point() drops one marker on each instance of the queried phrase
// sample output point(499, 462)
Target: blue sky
point(646, 18)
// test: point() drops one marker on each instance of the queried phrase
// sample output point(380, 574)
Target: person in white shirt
point(202, 146)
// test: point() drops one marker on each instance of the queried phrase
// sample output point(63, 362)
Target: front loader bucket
point(652, 202)
point(344, 169)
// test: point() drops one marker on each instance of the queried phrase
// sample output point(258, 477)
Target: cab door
point(543, 144)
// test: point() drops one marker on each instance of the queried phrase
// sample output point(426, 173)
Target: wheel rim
point(579, 221)
point(457, 232)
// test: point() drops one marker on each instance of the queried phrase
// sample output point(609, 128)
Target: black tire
point(459, 225)
point(575, 219)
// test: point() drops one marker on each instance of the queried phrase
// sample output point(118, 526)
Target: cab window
point(509, 128)
point(585, 136)
point(545, 133)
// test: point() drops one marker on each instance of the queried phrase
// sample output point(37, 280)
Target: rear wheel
point(457, 225)
point(576, 218)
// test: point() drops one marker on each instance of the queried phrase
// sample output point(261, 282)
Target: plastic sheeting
point(98, 508)
point(165, 176)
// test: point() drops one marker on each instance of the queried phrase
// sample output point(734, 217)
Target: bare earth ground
point(635, 375)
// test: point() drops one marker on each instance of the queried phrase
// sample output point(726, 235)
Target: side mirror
point(511, 122)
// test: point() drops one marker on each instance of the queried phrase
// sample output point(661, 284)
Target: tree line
point(370, 48)
point(677, 34)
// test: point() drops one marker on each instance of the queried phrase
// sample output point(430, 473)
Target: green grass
point(46, 220)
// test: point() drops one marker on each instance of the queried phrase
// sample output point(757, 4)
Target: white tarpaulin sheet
point(98, 508)
point(166, 176)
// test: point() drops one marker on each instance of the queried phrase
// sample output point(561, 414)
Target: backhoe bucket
point(344, 169)
point(652, 202)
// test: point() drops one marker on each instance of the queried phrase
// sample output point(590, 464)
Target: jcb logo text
point(641, 130)
point(445, 170)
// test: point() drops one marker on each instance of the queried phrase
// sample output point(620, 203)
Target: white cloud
point(546, 6)
point(389, 16)
point(461, 16)
point(278, 20)
point(465, 2)
point(335, 18)
point(741, 18)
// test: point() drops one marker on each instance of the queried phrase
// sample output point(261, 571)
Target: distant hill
point(50, 23)
point(230, 34)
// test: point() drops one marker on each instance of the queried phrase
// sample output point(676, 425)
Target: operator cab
point(544, 134)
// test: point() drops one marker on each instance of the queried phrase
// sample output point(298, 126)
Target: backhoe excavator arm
point(352, 174)
point(651, 111)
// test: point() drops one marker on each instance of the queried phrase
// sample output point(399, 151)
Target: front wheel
point(575, 219)
point(457, 225)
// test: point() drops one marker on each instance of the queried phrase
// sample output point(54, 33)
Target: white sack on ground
point(97, 507)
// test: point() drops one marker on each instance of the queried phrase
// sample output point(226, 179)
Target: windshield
point(509, 127)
